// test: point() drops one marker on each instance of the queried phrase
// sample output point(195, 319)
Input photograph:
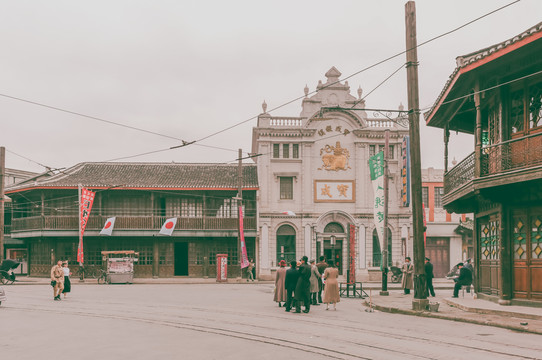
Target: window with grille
point(535, 107)
point(390, 148)
point(439, 193)
point(516, 112)
point(276, 151)
point(377, 253)
point(372, 149)
point(286, 188)
point(295, 151)
point(166, 253)
point(286, 151)
point(425, 196)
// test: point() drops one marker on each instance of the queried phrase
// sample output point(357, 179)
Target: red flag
point(85, 203)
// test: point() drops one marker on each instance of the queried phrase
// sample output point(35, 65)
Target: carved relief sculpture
point(334, 158)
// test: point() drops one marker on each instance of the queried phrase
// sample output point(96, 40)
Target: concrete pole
point(385, 265)
point(239, 205)
point(420, 296)
point(2, 176)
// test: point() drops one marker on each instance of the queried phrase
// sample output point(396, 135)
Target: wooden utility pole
point(2, 176)
point(419, 302)
point(385, 255)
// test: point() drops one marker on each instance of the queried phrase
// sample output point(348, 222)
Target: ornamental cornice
point(369, 133)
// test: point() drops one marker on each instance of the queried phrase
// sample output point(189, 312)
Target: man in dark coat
point(303, 287)
point(290, 283)
point(465, 278)
point(322, 265)
point(429, 276)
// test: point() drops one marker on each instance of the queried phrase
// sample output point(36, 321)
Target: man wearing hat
point(465, 278)
point(429, 276)
point(303, 287)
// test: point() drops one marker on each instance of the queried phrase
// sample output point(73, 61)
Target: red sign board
point(352, 255)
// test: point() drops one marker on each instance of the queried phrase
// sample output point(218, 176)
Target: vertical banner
point(85, 205)
point(405, 172)
point(376, 167)
point(352, 255)
point(244, 257)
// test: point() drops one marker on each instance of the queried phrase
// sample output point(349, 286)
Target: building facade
point(496, 95)
point(203, 198)
point(445, 245)
point(316, 197)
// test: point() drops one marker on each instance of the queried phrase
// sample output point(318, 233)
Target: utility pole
point(419, 302)
point(2, 212)
point(385, 264)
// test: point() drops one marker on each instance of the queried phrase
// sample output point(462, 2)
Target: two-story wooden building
point(496, 95)
point(203, 198)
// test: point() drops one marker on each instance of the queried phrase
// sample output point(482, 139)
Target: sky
point(188, 69)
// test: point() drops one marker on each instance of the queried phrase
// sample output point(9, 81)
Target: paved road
point(230, 321)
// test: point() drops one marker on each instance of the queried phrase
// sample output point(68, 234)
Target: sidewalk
point(463, 309)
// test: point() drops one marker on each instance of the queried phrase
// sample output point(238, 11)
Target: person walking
point(249, 270)
point(280, 281)
point(57, 279)
point(429, 276)
point(315, 276)
point(303, 286)
point(67, 282)
point(465, 278)
point(408, 270)
point(331, 288)
point(321, 265)
point(290, 283)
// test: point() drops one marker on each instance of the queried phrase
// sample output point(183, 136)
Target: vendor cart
point(120, 266)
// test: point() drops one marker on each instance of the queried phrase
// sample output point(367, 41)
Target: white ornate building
point(314, 182)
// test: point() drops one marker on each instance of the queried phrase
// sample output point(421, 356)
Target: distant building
point(445, 244)
point(316, 197)
point(141, 196)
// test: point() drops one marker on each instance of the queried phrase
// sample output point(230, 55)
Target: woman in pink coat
point(331, 289)
point(280, 290)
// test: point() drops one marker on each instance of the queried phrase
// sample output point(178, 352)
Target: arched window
point(286, 243)
point(377, 253)
point(334, 227)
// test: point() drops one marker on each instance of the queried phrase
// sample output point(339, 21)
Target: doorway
point(181, 259)
point(438, 250)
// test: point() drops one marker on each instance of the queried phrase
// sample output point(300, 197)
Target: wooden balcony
point(505, 163)
point(96, 222)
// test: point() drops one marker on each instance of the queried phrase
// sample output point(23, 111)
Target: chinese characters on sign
point(334, 191)
point(376, 168)
point(330, 128)
point(405, 172)
point(85, 203)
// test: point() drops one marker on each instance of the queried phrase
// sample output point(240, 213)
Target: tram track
point(186, 322)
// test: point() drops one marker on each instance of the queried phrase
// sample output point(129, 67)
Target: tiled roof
point(469, 59)
point(147, 175)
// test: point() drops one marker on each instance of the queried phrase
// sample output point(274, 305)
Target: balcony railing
point(512, 154)
point(460, 174)
point(96, 222)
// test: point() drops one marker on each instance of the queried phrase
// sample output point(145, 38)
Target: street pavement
point(233, 321)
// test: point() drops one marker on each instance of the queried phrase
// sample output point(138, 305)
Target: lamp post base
point(384, 293)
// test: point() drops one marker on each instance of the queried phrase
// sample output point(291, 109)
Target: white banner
point(168, 227)
point(108, 227)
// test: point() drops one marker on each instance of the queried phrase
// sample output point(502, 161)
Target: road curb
point(492, 312)
point(428, 314)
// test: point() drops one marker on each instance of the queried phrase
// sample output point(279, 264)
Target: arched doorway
point(333, 239)
point(285, 243)
point(377, 252)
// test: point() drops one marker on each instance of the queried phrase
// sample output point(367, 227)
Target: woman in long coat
point(331, 288)
point(280, 281)
point(315, 276)
point(408, 270)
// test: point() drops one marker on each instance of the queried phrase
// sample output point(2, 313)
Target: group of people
point(60, 279)
point(304, 282)
point(464, 278)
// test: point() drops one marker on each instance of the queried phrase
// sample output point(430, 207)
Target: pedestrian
point(331, 288)
point(429, 276)
point(407, 282)
point(303, 286)
point(289, 284)
point(249, 270)
point(321, 265)
point(67, 282)
point(57, 279)
point(280, 281)
point(465, 278)
point(315, 276)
